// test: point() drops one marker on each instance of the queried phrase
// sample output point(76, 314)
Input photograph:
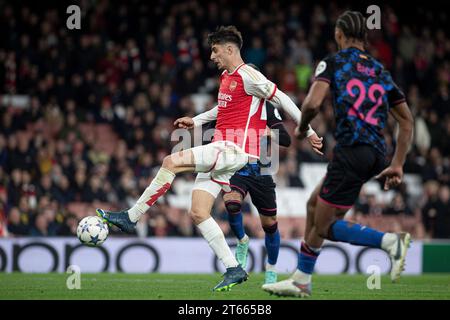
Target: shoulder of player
point(327, 62)
point(381, 70)
point(249, 73)
point(331, 57)
point(324, 65)
point(375, 62)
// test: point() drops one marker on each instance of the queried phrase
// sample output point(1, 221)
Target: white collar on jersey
point(236, 68)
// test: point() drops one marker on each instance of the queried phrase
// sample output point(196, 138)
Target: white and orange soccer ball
point(92, 231)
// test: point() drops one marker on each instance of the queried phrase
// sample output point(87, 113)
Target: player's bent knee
point(233, 206)
point(168, 162)
point(268, 221)
point(270, 228)
point(198, 216)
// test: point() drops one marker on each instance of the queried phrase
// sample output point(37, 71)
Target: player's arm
point(198, 120)
point(282, 100)
point(257, 85)
point(312, 103)
point(394, 173)
point(323, 77)
point(403, 115)
point(284, 139)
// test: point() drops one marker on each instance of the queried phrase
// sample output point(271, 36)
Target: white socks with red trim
point(158, 187)
point(212, 233)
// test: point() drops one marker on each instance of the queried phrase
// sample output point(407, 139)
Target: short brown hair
point(225, 34)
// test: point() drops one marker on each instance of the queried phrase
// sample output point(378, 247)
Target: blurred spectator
point(16, 227)
point(42, 226)
point(398, 206)
point(436, 213)
point(160, 227)
point(69, 226)
point(185, 226)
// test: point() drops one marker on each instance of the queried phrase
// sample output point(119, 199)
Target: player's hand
point(316, 143)
point(300, 135)
point(184, 122)
point(393, 175)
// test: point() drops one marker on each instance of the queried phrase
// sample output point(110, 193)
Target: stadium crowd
point(102, 101)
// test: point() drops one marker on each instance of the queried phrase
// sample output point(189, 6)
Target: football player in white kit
point(240, 125)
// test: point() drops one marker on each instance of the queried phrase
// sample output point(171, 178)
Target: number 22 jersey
point(362, 92)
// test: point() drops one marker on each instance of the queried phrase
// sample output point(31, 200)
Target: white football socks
point(301, 277)
point(212, 233)
point(388, 241)
point(158, 187)
point(244, 239)
point(271, 267)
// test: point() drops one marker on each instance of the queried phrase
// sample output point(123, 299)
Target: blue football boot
point(231, 277)
point(118, 219)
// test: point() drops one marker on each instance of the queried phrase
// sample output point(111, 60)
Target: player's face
point(218, 55)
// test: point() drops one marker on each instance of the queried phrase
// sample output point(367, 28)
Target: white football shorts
point(216, 163)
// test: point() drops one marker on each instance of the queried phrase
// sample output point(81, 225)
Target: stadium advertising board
point(181, 255)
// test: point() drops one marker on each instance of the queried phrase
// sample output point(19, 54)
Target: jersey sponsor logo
point(224, 96)
point(233, 85)
point(321, 67)
point(365, 70)
point(223, 99)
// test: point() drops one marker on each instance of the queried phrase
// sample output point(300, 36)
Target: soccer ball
point(92, 231)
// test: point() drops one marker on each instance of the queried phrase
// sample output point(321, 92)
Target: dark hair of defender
point(353, 25)
point(225, 34)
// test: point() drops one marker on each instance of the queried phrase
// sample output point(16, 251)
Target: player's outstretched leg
point(173, 164)
point(233, 207)
point(395, 244)
point(126, 220)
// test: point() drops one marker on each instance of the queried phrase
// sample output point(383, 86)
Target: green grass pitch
point(198, 287)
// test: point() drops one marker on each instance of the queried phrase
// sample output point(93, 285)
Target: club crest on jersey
point(233, 85)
